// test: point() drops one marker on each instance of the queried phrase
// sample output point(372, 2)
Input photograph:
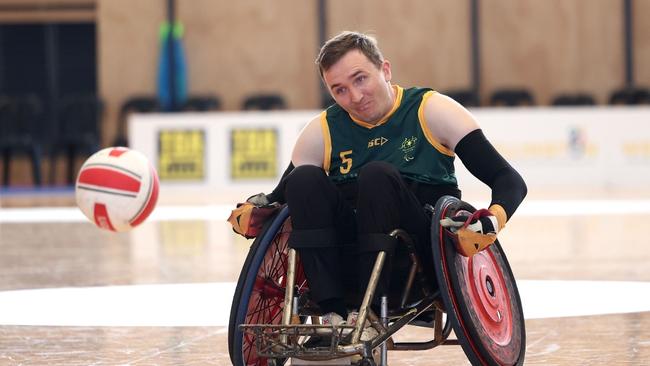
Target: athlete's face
point(359, 87)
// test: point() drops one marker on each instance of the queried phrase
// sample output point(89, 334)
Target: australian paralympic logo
point(408, 147)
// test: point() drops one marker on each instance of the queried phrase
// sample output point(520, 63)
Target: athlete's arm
point(447, 120)
point(309, 149)
point(278, 192)
point(486, 164)
point(455, 128)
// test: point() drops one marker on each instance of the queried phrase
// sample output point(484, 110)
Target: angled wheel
point(479, 294)
point(259, 295)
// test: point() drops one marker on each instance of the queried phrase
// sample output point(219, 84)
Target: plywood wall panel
point(428, 42)
point(641, 19)
point(127, 42)
point(233, 49)
point(243, 47)
point(552, 46)
point(600, 65)
point(237, 48)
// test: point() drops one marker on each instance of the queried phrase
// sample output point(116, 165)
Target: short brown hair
point(336, 47)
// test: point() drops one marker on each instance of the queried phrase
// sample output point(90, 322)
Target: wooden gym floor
point(71, 294)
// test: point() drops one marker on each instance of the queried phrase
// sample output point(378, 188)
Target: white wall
point(573, 151)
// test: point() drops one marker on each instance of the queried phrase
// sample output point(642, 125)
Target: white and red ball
point(117, 188)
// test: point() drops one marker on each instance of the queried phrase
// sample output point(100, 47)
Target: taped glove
point(475, 231)
point(259, 200)
point(249, 217)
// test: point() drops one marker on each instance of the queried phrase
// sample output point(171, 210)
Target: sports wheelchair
point(272, 316)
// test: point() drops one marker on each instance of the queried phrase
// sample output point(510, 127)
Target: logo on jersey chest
point(408, 147)
point(379, 141)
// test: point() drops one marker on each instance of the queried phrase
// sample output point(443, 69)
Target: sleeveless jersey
point(402, 139)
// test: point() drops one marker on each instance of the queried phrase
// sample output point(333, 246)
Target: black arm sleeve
point(486, 164)
point(278, 192)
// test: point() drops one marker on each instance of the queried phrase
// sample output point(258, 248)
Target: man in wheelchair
point(369, 163)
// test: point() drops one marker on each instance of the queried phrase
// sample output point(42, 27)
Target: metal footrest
point(284, 341)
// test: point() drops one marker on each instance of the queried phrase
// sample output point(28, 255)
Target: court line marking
point(553, 208)
point(208, 304)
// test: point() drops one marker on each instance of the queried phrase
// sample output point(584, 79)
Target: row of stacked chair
point(76, 129)
point(204, 103)
point(522, 97)
point(77, 123)
point(22, 130)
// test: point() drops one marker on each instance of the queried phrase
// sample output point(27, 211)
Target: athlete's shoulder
point(416, 90)
point(309, 146)
point(414, 96)
point(334, 112)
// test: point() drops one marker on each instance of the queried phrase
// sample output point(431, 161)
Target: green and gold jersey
point(402, 139)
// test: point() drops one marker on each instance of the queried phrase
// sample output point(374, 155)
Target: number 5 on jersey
point(346, 162)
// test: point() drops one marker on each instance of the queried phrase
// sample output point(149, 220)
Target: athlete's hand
point(259, 200)
point(481, 221)
point(476, 231)
point(247, 219)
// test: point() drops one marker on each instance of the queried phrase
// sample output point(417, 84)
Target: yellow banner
point(254, 153)
point(181, 154)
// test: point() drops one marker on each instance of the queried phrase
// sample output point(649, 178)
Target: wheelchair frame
point(252, 342)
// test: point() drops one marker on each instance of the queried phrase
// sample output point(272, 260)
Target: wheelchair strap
point(314, 238)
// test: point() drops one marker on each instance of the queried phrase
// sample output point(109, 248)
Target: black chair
point(630, 96)
point(137, 104)
point(202, 103)
point(512, 98)
point(78, 134)
point(264, 102)
point(467, 98)
point(18, 124)
point(573, 100)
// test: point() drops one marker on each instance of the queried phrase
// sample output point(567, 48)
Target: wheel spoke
point(276, 305)
point(266, 300)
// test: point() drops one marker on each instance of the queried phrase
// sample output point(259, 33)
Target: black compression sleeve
point(278, 192)
point(486, 164)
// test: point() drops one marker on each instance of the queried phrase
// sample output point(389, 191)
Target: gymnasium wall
point(641, 44)
point(47, 11)
point(237, 48)
point(232, 48)
point(553, 47)
point(427, 42)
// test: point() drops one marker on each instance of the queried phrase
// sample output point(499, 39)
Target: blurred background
point(71, 71)
point(215, 92)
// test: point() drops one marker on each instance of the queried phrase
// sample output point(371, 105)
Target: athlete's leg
point(322, 222)
point(385, 203)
